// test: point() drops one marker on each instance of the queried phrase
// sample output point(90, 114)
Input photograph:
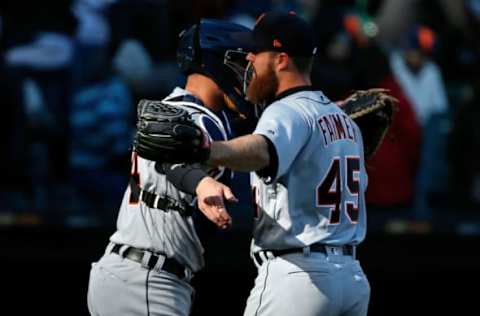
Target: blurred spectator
point(393, 25)
point(38, 46)
point(457, 22)
point(418, 75)
point(393, 169)
point(458, 25)
point(133, 63)
point(93, 27)
point(102, 126)
point(421, 80)
point(92, 38)
point(44, 45)
point(46, 60)
point(47, 51)
point(144, 35)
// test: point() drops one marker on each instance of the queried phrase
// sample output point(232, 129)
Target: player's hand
point(210, 196)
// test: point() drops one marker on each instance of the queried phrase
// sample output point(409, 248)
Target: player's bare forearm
point(245, 153)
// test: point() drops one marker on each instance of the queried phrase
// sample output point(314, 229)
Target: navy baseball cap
point(283, 32)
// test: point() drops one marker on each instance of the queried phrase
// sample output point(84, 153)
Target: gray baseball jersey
point(313, 194)
point(119, 285)
point(317, 193)
point(169, 233)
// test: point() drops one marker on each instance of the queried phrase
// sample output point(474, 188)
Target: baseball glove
point(373, 112)
point(166, 133)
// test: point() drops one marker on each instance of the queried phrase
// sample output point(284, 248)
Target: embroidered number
point(331, 190)
point(353, 186)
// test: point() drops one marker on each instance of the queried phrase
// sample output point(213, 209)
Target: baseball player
point(155, 250)
point(309, 182)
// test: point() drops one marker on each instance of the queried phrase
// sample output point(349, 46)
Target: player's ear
point(282, 61)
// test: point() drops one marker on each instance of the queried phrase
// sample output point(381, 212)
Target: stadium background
point(67, 66)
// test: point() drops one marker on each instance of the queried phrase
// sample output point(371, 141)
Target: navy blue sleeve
point(212, 129)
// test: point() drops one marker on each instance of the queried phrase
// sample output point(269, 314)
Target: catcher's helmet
point(215, 48)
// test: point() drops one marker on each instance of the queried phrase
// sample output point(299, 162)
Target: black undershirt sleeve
point(185, 177)
point(270, 171)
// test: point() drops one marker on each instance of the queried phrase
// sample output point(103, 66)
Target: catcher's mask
point(216, 49)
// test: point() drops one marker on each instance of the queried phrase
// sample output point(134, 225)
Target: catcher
point(307, 163)
point(150, 260)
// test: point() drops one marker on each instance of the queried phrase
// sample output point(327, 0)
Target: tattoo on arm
point(245, 153)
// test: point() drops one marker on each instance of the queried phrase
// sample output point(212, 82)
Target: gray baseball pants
point(312, 284)
point(119, 286)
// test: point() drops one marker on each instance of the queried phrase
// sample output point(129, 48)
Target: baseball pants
point(119, 286)
point(316, 284)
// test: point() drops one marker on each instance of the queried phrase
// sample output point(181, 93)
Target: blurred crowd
point(72, 72)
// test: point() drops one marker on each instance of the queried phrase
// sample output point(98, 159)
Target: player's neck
point(206, 90)
point(292, 80)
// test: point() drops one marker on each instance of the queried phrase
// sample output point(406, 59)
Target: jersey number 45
point(339, 191)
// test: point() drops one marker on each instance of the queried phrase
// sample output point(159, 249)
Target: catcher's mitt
point(166, 133)
point(373, 111)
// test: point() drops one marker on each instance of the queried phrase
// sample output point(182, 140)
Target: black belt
point(348, 250)
point(169, 265)
point(153, 200)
